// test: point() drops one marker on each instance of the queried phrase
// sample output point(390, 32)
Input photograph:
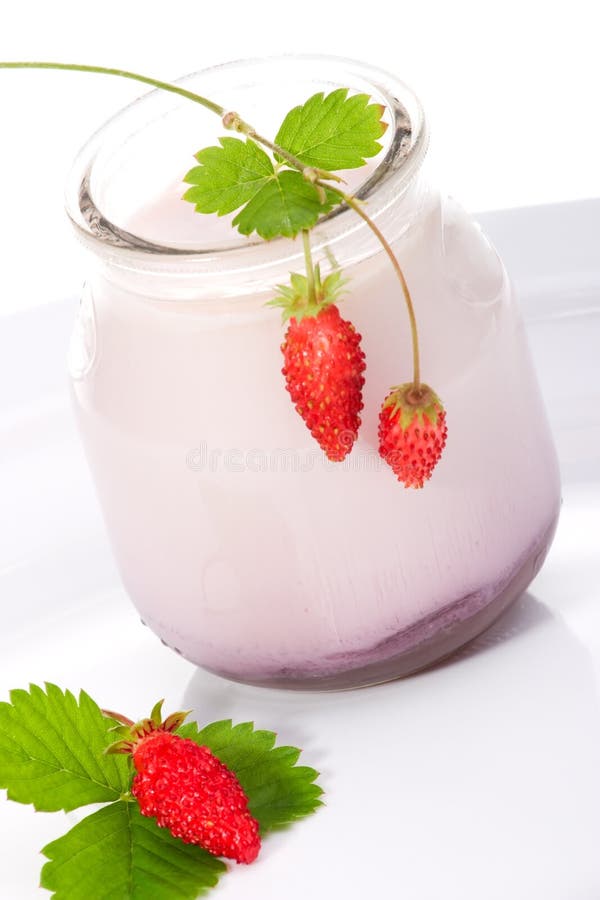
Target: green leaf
point(283, 207)
point(279, 791)
point(239, 174)
point(333, 131)
point(118, 854)
point(51, 750)
point(228, 176)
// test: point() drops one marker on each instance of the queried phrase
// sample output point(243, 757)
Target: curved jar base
point(427, 642)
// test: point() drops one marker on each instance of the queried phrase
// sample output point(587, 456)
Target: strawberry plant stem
point(310, 272)
point(122, 73)
point(316, 177)
point(356, 206)
point(249, 131)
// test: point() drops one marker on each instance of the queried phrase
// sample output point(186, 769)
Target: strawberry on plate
point(187, 789)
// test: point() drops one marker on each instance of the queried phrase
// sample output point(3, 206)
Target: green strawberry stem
point(356, 206)
point(310, 269)
point(122, 73)
point(234, 122)
point(317, 177)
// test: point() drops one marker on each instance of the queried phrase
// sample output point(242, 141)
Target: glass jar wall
point(240, 544)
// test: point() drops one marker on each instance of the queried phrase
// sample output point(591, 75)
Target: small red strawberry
point(412, 432)
point(323, 363)
point(187, 789)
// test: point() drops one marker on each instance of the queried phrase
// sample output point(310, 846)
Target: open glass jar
point(242, 547)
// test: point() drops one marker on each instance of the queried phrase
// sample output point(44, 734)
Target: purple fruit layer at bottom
point(424, 643)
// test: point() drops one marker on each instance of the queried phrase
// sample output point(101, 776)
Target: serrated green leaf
point(278, 790)
point(228, 176)
point(118, 854)
point(51, 750)
point(239, 174)
point(283, 207)
point(333, 131)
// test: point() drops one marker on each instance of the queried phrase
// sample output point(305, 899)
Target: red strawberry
point(188, 790)
point(412, 432)
point(323, 364)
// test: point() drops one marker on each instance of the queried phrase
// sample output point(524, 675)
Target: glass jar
point(241, 546)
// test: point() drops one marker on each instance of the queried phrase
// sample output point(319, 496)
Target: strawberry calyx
point(295, 299)
point(132, 733)
point(409, 402)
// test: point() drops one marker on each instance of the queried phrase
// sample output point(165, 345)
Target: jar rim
point(395, 169)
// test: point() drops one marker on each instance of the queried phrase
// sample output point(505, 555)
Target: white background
point(511, 90)
point(497, 757)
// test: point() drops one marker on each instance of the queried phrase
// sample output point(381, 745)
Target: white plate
point(479, 780)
